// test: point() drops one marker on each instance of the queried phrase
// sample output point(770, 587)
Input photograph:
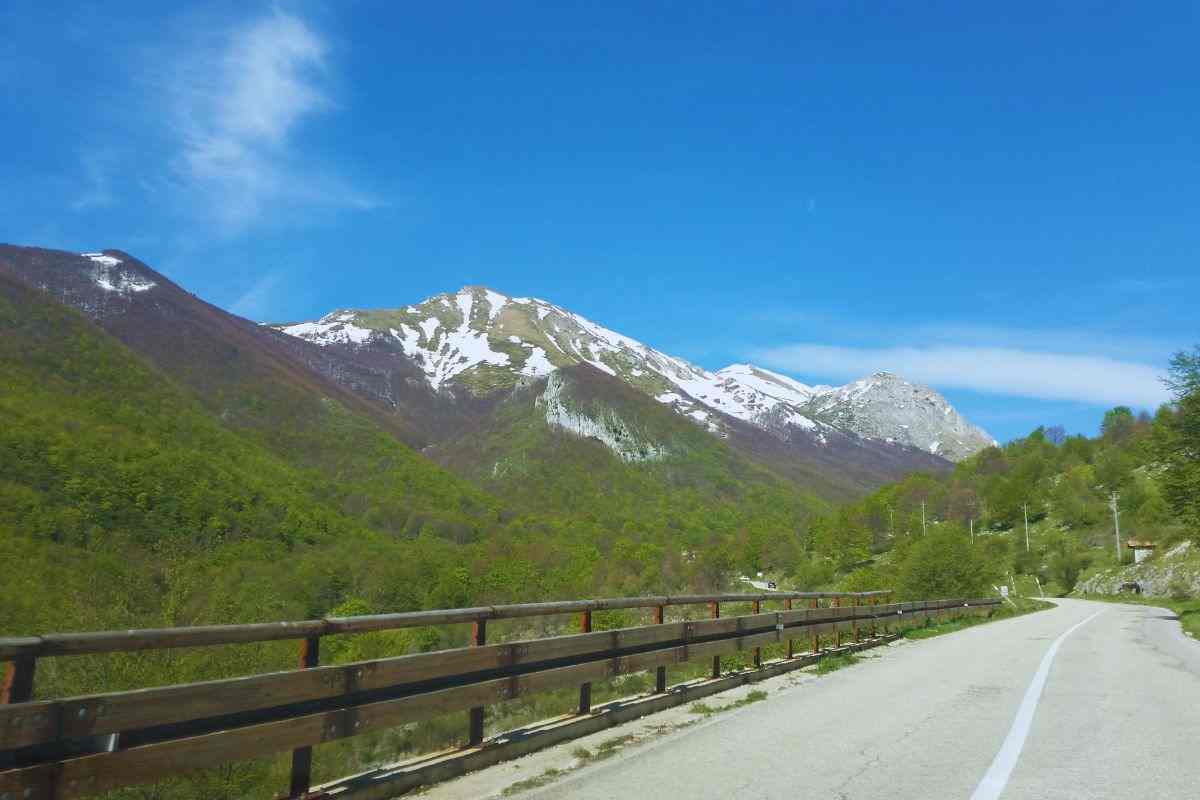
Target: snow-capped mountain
point(482, 341)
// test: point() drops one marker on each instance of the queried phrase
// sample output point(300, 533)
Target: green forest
point(1064, 486)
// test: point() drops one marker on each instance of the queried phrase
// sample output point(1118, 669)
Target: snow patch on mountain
point(100, 258)
point(537, 364)
point(119, 281)
point(333, 328)
point(769, 383)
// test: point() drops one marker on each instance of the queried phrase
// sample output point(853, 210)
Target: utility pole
point(972, 529)
point(923, 531)
point(891, 528)
point(1025, 508)
point(1112, 503)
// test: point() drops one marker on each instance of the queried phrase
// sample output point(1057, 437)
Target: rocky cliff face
point(885, 406)
point(1177, 570)
point(605, 426)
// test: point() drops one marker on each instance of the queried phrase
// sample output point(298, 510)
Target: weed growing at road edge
point(532, 783)
point(834, 663)
point(707, 710)
point(610, 746)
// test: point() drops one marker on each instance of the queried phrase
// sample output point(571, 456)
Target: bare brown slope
point(838, 465)
point(243, 370)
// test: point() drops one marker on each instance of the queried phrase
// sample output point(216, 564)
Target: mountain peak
point(886, 406)
point(483, 340)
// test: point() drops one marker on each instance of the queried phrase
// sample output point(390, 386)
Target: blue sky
point(1001, 200)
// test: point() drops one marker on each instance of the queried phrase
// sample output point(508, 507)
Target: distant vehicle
point(771, 585)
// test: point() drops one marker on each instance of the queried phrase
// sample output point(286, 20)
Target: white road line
point(998, 773)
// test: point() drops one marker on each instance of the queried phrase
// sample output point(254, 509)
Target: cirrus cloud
point(237, 101)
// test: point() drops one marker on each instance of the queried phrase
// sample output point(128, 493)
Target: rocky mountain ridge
point(439, 375)
point(480, 341)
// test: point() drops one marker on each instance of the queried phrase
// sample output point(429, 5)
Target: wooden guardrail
point(79, 746)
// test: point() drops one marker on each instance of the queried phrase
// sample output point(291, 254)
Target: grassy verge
point(606, 749)
point(1018, 607)
point(1188, 611)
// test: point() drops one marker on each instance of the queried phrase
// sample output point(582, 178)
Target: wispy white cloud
point(996, 370)
point(1081, 340)
point(255, 302)
point(96, 192)
point(237, 103)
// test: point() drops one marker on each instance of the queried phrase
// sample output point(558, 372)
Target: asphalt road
point(1118, 716)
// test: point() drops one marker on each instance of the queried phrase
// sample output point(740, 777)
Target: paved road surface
point(1119, 717)
point(761, 585)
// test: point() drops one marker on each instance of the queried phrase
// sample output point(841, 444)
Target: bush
point(943, 564)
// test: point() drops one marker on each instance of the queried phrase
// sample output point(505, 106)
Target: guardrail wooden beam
point(64, 644)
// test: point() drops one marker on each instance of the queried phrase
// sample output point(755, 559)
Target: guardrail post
point(660, 674)
point(791, 645)
point(874, 605)
point(816, 603)
point(18, 680)
point(837, 624)
point(310, 656)
point(475, 731)
point(714, 611)
point(757, 609)
point(854, 624)
point(585, 690)
point(16, 688)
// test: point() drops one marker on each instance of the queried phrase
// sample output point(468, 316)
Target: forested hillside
point(685, 504)
point(128, 502)
point(1064, 485)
